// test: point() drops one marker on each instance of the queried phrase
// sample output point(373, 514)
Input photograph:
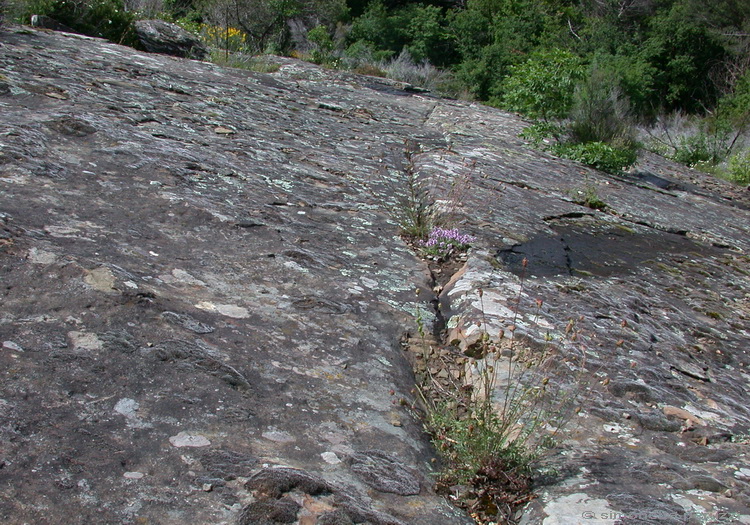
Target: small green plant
point(738, 169)
point(701, 147)
point(257, 64)
point(415, 209)
point(323, 46)
point(599, 155)
point(493, 423)
point(589, 197)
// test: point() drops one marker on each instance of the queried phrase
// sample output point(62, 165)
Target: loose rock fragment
point(183, 439)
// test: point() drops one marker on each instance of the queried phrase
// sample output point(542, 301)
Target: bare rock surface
point(203, 294)
point(158, 36)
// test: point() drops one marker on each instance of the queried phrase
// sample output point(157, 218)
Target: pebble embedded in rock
point(183, 439)
point(10, 345)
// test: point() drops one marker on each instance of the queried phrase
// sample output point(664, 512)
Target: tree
point(682, 51)
point(266, 22)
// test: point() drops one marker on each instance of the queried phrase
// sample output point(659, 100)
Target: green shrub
point(702, 147)
point(100, 18)
point(601, 113)
point(323, 45)
point(370, 70)
point(598, 155)
point(543, 86)
point(739, 167)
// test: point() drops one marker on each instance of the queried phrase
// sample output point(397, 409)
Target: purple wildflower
point(443, 241)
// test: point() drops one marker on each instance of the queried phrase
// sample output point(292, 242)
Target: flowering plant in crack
point(443, 242)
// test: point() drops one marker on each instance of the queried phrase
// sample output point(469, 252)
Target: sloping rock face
point(203, 294)
point(158, 36)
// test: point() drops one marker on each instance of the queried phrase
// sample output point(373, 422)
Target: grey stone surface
point(158, 36)
point(385, 473)
point(255, 208)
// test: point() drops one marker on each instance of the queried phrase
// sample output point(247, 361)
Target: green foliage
point(100, 18)
point(738, 169)
point(427, 35)
point(467, 444)
point(733, 109)
point(543, 86)
point(266, 23)
point(502, 413)
point(490, 36)
point(322, 52)
point(225, 38)
point(700, 147)
point(589, 197)
point(415, 210)
point(540, 132)
point(598, 155)
point(418, 28)
point(682, 51)
point(376, 29)
point(600, 112)
point(633, 76)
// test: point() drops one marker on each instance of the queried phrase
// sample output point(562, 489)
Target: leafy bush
point(490, 36)
point(100, 18)
point(598, 155)
point(543, 86)
point(682, 49)
point(694, 149)
point(420, 29)
point(323, 45)
point(739, 168)
point(600, 112)
point(423, 74)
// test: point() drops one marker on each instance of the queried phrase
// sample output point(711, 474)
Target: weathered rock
point(158, 36)
point(275, 482)
point(46, 22)
point(272, 512)
point(323, 501)
point(228, 465)
point(384, 473)
point(254, 208)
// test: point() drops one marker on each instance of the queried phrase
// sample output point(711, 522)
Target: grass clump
point(589, 197)
point(738, 170)
point(416, 210)
point(598, 155)
point(422, 210)
point(258, 64)
point(492, 411)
